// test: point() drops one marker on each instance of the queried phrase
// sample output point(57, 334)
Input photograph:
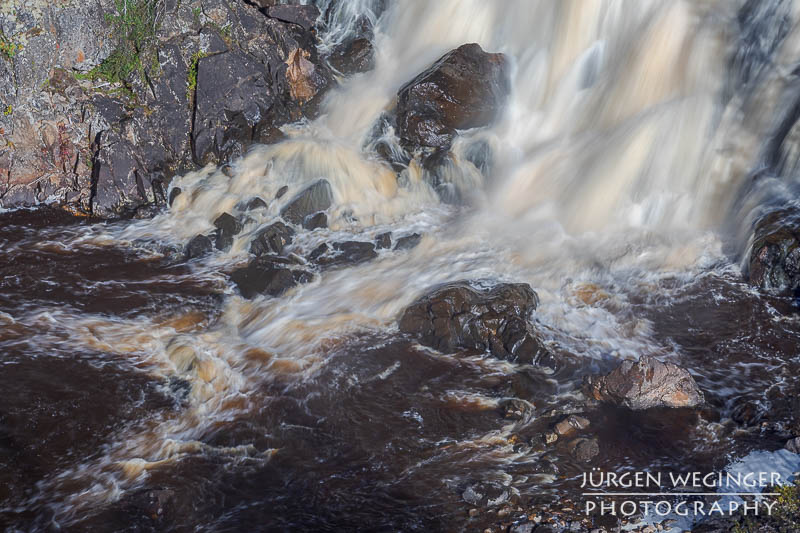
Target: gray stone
point(314, 198)
point(319, 220)
point(272, 239)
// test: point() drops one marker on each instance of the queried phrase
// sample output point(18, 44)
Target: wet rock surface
point(407, 242)
point(343, 253)
point(227, 228)
point(464, 89)
point(459, 317)
point(272, 239)
point(199, 246)
point(645, 384)
point(355, 56)
point(267, 275)
point(207, 83)
point(774, 261)
point(319, 220)
point(316, 197)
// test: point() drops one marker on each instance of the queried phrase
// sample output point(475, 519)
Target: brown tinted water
point(383, 436)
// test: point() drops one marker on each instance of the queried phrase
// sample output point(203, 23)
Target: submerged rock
point(464, 89)
point(272, 239)
point(344, 253)
point(408, 242)
point(317, 197)
point(458, 317)
point(584, 450)
point(267, 275)
point(644, 384)
point(486, 494)
point(383, 241)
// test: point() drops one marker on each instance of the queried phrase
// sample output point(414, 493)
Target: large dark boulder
point(774, 261)
point(267, 275)
point(313, 199)
point(465, 88)
point(458, 317)
point(646, 383)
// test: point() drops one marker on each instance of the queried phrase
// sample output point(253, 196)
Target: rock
point(584, 450)
point(319, 251)
point(227, 227)
point(281, 191)
point(383, 241)
point(464, 89)
point(348, 253)
point(458, 317)
point(571, 425)
point(407, 242)
point(485, 494)
point(233, 99)
point(306, 80)
point(775, 253)
point(314, 198)
point(746, 411)
point(174, 193)
point(320, 220)
point(526, 527)
point(199, 246)
point(254, 203)
point(644, 384)
point(211, 83)
point(353, 57)
point(304, 16)
point(272, 239)
point(793, 445)
point(264, 275)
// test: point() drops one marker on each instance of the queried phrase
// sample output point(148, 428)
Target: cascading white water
point(615, 159)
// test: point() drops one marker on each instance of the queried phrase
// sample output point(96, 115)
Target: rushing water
point(618, 183)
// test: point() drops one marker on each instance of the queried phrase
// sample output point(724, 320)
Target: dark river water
point(385, 436)
point(140, 391)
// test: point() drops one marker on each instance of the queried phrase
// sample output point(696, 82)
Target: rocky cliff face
point(104, 101)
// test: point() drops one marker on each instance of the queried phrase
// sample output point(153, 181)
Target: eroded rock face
point(465, 88)
point(110, 148)
point(644, 384)
point(458, 317)
point(233, 100)
point(775, 254)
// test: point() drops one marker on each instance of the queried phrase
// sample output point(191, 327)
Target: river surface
point(141, 392)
